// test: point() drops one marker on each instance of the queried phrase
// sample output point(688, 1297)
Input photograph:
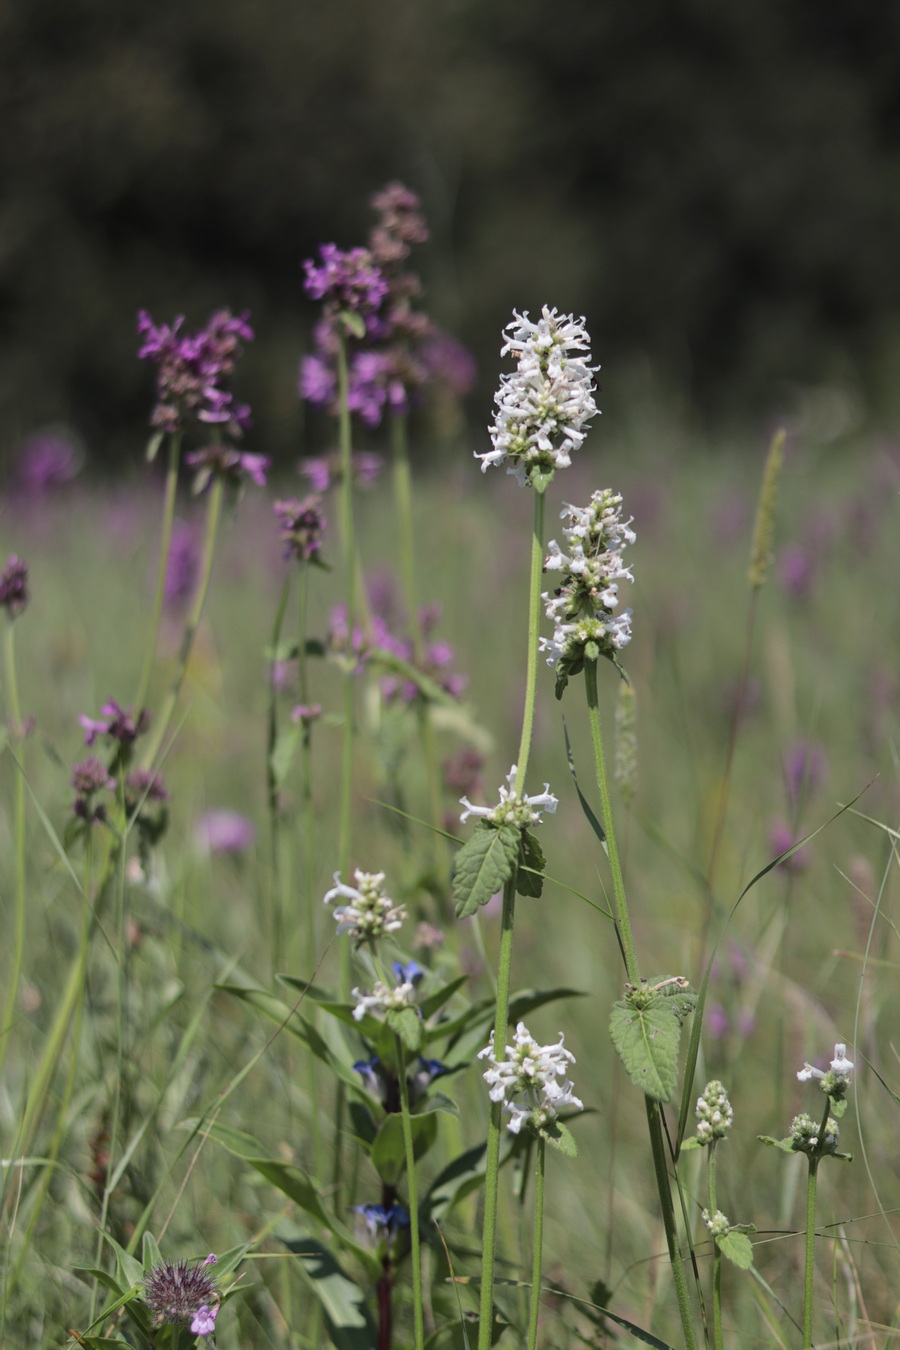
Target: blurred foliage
point(716, 187)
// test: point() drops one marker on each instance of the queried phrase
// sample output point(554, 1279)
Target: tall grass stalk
point(16, 730)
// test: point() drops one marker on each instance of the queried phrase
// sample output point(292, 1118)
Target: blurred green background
point(717, 188)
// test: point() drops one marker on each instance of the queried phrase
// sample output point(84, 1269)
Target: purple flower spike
point(230, 464)
point(14, 586)
point(302, 524)
point(193, 371)
point(182, 567)
point(349, 281)
point(781, 838)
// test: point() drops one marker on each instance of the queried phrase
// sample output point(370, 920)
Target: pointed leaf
point(430, 1005)
point(560, 1136)
point(342, 1300)
point(389, 1151)
point(152, 1256)
point(529, 877)
point(483, 865)
point(646, 1040)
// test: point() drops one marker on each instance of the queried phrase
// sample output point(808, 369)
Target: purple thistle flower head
point(14, 586)
point(224, 832)
point(345, 280)
point(89, 778)
point(145, 785)
point(191, 382)
point(180, 1295)
point(302, 525)
point(47, 460)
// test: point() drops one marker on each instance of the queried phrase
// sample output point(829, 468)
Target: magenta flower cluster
point(302, 525)
point(194, 370)
point(378, 649)
point(399, 350)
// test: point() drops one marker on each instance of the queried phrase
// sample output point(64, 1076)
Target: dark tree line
point(717, 188)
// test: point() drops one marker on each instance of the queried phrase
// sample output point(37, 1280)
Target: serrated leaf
point(560, 1136)
point(407, 1024)
point(646, 1041)
point(738, 1248)
point(529, 878)
point(483, 865)
point(786, 1145)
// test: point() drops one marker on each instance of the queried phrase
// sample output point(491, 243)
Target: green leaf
point(284, 752)
point(129, 1271)
point(104, 1343)
point(437, 1101)
point(738, 1248)
point(483, 865)
point(786, 1145)
point(389, 1151)
point(458, 1179)
point(589, 815)
point(153, 445)
point(540, 479)
point(407, 1024)
point(646, 1040)
point(342, 1300)
point(150, 1253)
point(529, 878)
point(430, 1005)
point(560, 1136)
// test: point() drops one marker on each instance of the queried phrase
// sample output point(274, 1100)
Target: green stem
point(623, 922)
point(504, 960)
point(403, 506)
point(810, 1252)
point(415, 1248)
point(538, 1247)
point(534, 625)
point(348, 552)
point(213, 515)
point(717, 1255)
point(165, 541)
point(660, 1166)
point(15, 974)
point(492, 1159)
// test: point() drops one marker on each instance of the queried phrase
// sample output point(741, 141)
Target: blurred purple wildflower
point(119, 724)
point(89, 778)
point(345, 280)
point(796, 571)
point(781, 838)
point(14, 586)
point(47, 460)
point(400, 351)
point(232, 465)
point(324, 471)
point(384, 644)
point(145, 785)
point(193, 371)
point(302, 525)
point(224, 832)
point(805, 769)
point(716, 1021)
point(306, 713)
point(182, 566)
point(428, 938)
point(462, 773)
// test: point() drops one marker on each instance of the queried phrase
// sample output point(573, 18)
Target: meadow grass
point(808, 959)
